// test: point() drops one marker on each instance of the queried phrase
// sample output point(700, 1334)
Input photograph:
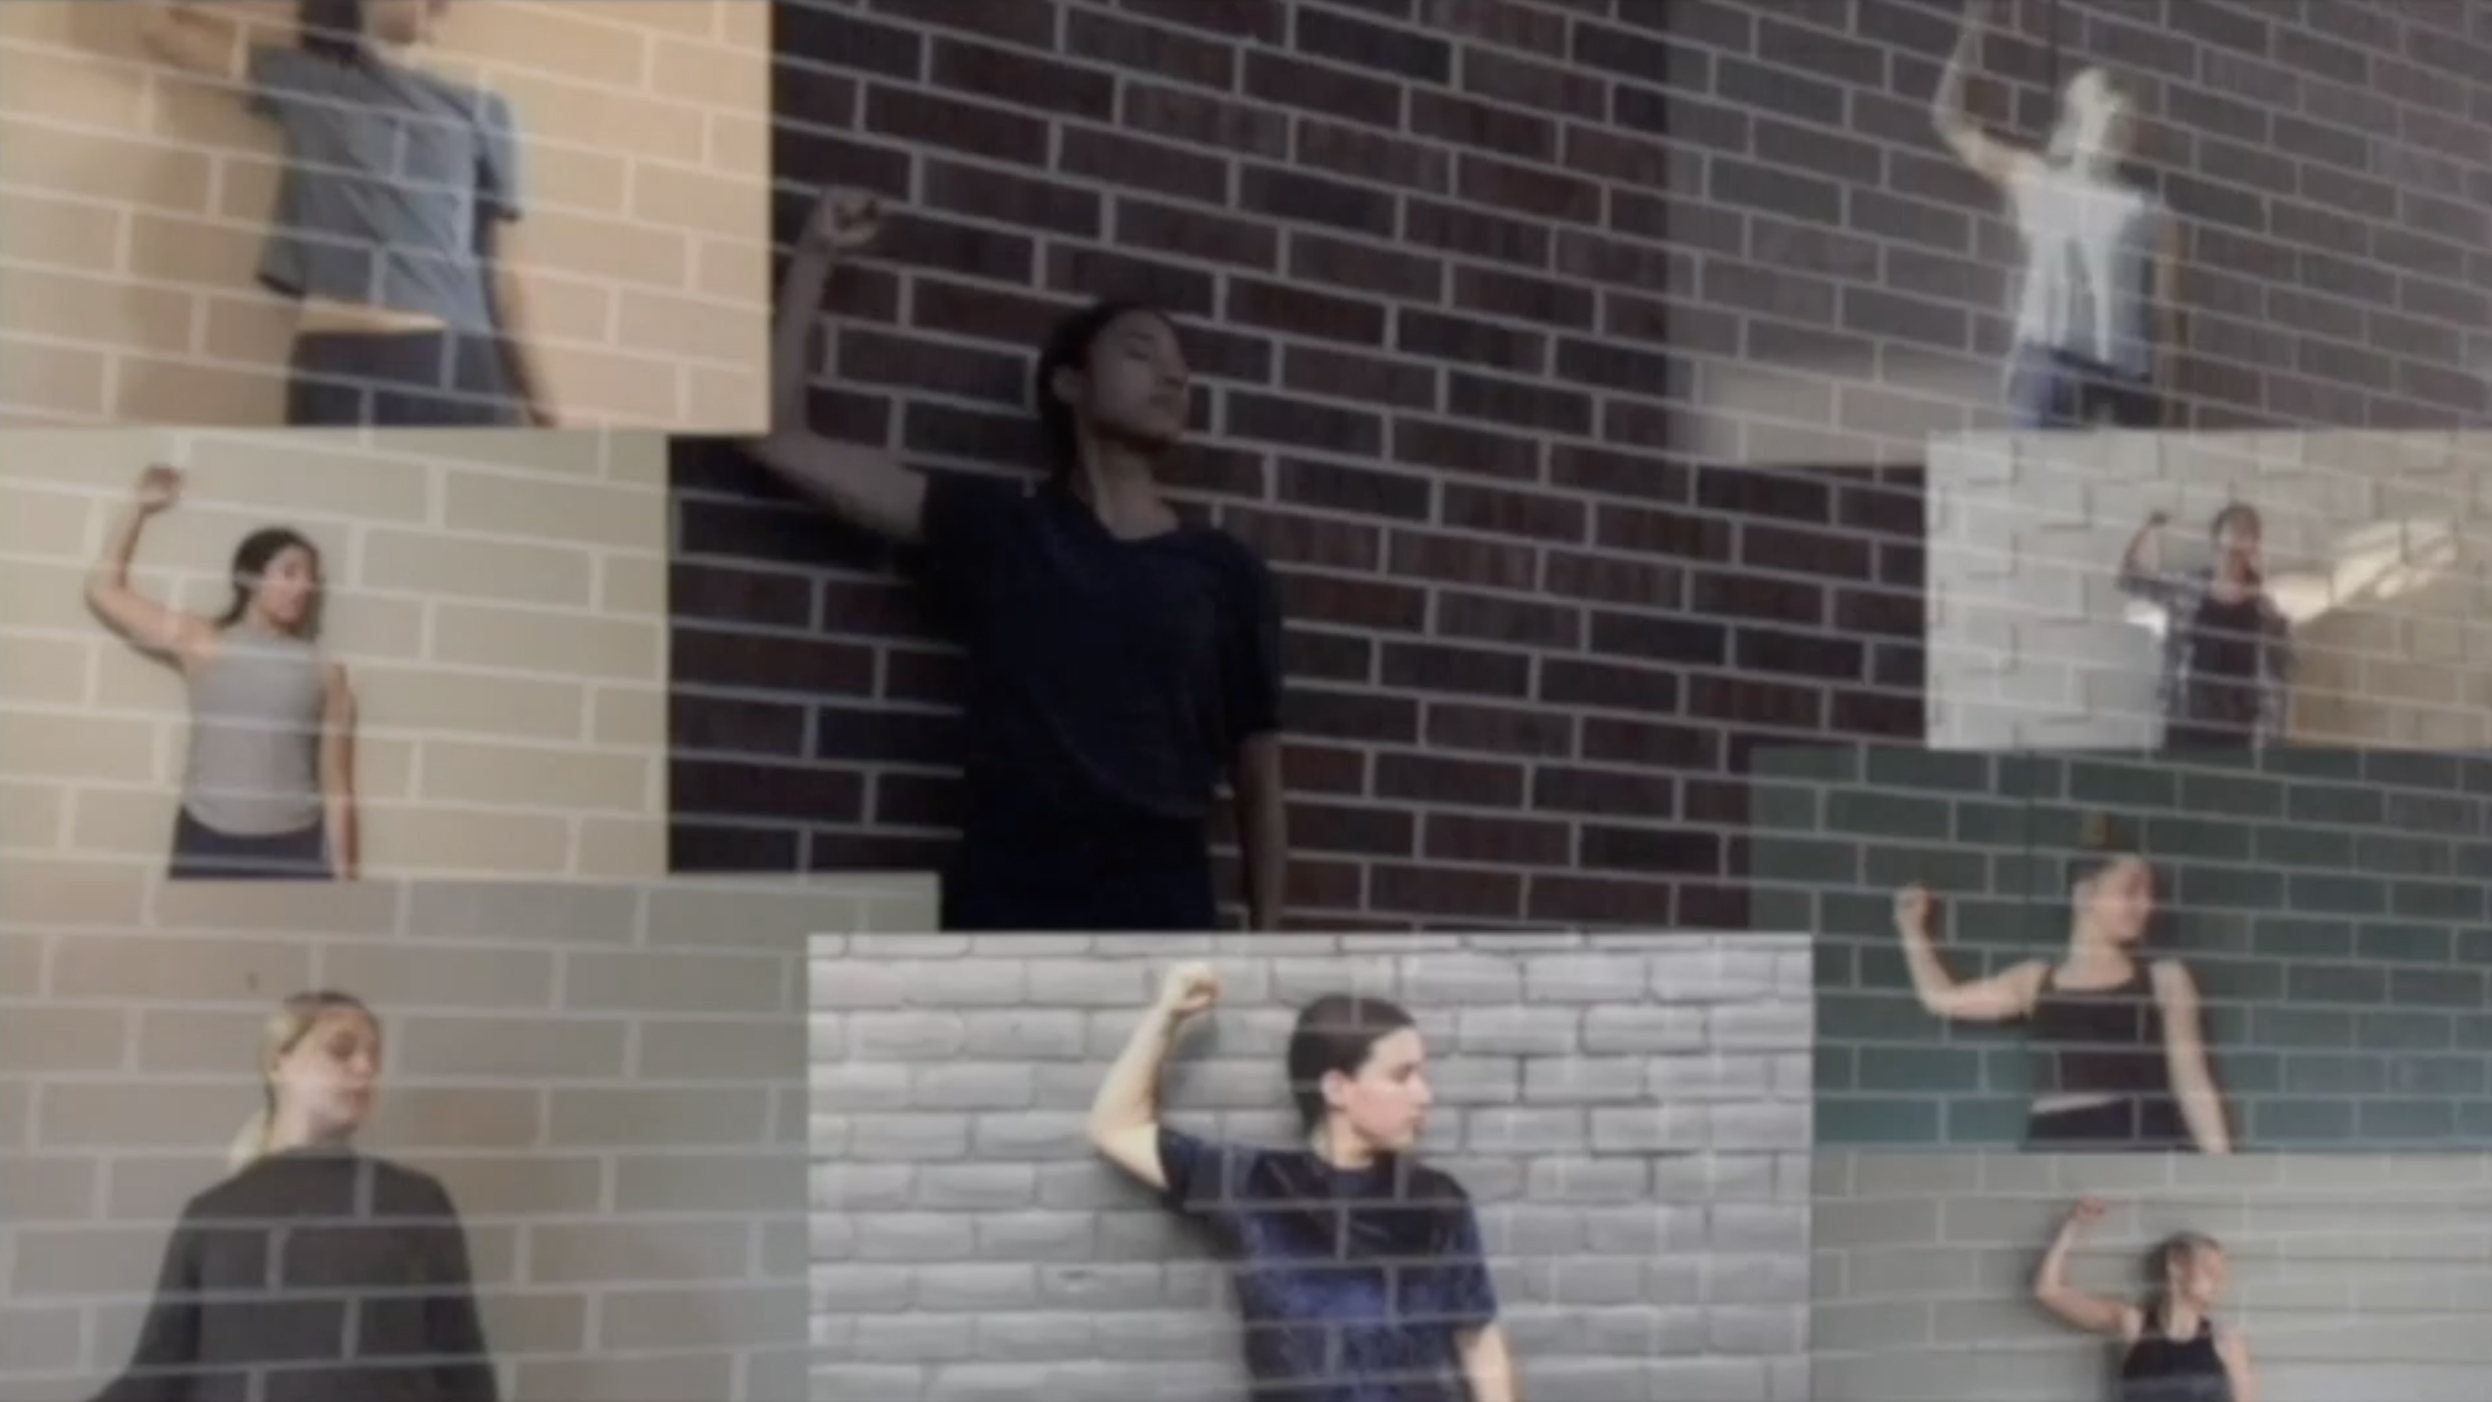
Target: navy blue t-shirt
point(1111, 681)
point(1353, 1285)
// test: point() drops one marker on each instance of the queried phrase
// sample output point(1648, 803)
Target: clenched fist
point(1189, 989)
point(845, 220)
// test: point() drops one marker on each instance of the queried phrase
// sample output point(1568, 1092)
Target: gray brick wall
point(608, 1078)
point(1630, 1114)
point(2352, 1276)
point(1840, 282)
point(2330, 903)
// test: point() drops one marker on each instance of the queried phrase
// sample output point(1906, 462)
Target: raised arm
point(164, 1362)
point(1124, 1117)
point(2002, 997)
point(337, 774)
point(2141, 564)
point(2051, 1290)
point(864, 486)
point(152, 627)
point(1997, 161)
point(2185, 1058)
point(197, 40)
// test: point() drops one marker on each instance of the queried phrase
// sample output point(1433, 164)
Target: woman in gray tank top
point(2097, 312)
point(387, 230)
point(268, 792)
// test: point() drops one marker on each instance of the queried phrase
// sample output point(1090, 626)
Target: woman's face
point(288, 588)
point(2106, 120)
point(1138, 388)
point(2239, 537)
point(330, 1076)
point(405, 21)
point(2119, 900)
point(1386, 1102)
point(2200, 1278)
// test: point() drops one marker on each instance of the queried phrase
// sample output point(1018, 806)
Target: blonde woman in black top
point(315, 1273)
point(2171, 1348)
point(2119, 1049)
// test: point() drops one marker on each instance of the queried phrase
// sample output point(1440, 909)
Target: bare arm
point(2184, 1056)
point(1997, 161)
point(153, 628)
point(1124, 1116)
point(337, 774)
point(2141, 564)
point(862, 485)
point(197, 40)
point(514, 323)
point(2002, 997)
point(2235, 1353)
point(1488, 1365)
point(2051, 1289)
point(1263, 830)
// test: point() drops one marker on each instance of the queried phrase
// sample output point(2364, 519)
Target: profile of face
point(405, 21)
point(328, 1078)
point(2197, 1276)
point(285, 591)
point(2238, 535)
point(2101, 118)
point(1385, 1102)
point(2118, 901)
point(1134, 386)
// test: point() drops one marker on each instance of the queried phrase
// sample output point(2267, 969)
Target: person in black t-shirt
point(315, 1273)
point(1123, 663)
point(2228, 656)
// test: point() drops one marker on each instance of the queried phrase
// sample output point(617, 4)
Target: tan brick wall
point(498, 599)
point(610, 1079)
point(2374, 544)
point(134, 200)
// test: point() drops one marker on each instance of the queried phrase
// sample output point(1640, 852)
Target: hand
point(159, 488)
point(542, 416)
point(1189, 989)
point(1915, 908)
point(2157, 520)
point(2086, 1212)
point(845, 220)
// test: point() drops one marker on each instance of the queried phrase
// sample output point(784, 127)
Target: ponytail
point(251, 1145)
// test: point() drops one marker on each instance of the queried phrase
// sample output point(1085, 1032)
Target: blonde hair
point(294, 1020)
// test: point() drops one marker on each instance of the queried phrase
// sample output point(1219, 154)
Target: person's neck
point(1346, 1152)
point(1118, 488)
point(2235, 574)
point(2088, 951)
point(2180, 1318)
point(300, 1138)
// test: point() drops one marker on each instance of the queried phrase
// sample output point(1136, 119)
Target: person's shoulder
point(1426, 1183)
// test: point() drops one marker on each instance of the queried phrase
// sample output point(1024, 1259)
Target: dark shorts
point(2143, 1124)
point(419, 379)
point(1145, 876)
point(2053, 389)
point(201, 853)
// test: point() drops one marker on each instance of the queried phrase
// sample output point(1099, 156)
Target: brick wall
point(2351, 1276)
point(1421, 250)
point(1841, 282)
point(2372, 547)
point(498, 600)
point(135, 201)
point(608, 1078)
point(1630, 1115)
point(2330, 904)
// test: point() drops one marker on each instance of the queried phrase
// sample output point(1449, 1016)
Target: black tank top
point(2098, 1041)
point(2160, 1368)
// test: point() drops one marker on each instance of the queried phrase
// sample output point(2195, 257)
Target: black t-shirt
point(313, 1276)
point(2224, 661)
point(1109, 679)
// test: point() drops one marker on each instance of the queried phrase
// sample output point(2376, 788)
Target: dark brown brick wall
point(1422, 249)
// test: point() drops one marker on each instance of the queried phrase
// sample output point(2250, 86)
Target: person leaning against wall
point(388, 228)
point(315, 1272)
point(1123, 661)
point(1359, 1270)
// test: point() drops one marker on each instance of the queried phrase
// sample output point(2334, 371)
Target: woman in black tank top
point(2171, 1349)
point(2119, 1061)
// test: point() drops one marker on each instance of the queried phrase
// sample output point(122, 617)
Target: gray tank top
point(255, 720)
point(2090, 249)
point(388, 171)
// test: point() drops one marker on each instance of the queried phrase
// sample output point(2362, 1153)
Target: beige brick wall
point(134, 200)
point(2375, 542)
point(610, 1079)
point(499, 601)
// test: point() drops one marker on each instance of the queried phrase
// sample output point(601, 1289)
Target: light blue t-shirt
point(390, 173)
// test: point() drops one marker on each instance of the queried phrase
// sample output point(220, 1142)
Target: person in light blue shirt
point(387, 234)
